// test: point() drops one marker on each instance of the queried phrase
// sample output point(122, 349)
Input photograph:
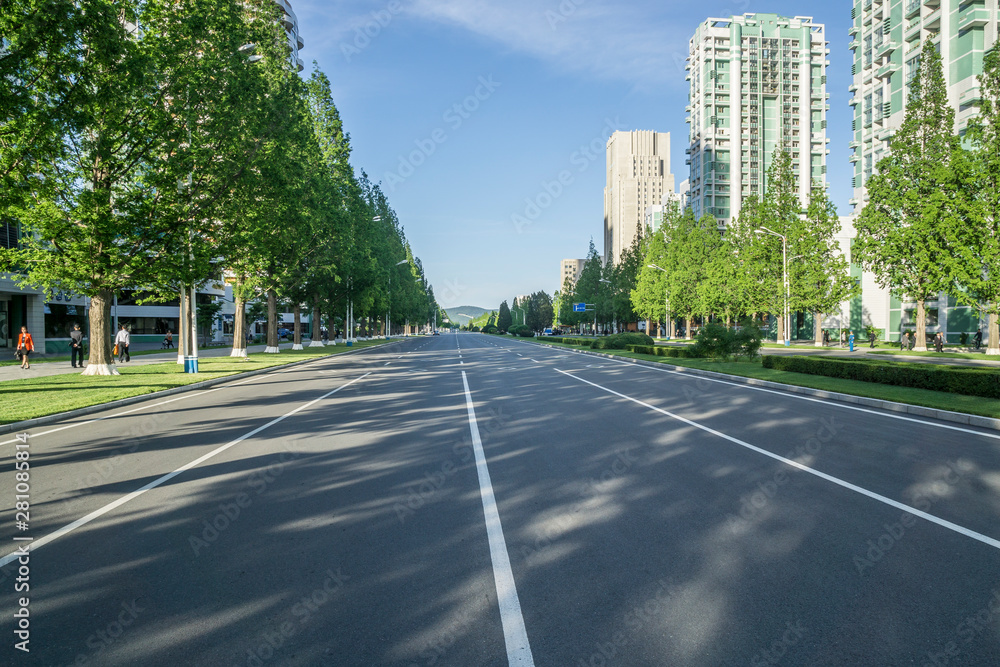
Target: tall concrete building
point(757, 84)
point(886, 38)
point(290, 22)
point(638, 175)
point(570, 269)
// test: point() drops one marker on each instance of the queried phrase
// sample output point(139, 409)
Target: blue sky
point(471, 112)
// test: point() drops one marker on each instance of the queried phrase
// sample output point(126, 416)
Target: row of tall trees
point(157, 145)
point(690, 269)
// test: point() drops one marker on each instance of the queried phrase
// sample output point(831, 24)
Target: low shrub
point(984, 382)
point(621, 341)
point(491, 329)
point(662, 351)
point(525, 332)
point(715, 341)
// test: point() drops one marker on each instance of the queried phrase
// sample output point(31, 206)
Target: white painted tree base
point(332, 342)
point(316, 343)
point(920, 349)
point(271, 350)
point(992, 352)
point(180, 359)
point(100, 369)
point(238, 353)
point(297, 346)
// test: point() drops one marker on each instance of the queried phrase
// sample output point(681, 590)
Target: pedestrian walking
point(76, 346)
point(25, 346)
point(168, 341)
point(911, 340)
point(979, 338)
point(122, 340)
point(843, 338)
point(902, 341)
point(871, 339)
point(826, 337)
point(850, 340)
point(939, 342)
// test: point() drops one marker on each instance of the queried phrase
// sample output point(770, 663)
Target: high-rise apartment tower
point(757, 85)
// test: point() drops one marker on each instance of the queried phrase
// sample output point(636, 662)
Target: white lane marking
point(226, 385)
point(828, 403)
point(985, 539)
point(387, 363)
point(536, 361)
point(514, 634)
point(70, 527)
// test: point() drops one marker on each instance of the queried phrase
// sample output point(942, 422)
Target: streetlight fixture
point(666, 301)
point(784, 262)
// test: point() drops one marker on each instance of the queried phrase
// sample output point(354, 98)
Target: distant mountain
point(465, 314)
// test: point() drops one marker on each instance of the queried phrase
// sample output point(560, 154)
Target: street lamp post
point(784, 261)
point(666, 301)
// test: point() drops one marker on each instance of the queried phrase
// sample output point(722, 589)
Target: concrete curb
point(122, 402)
point(878, 404)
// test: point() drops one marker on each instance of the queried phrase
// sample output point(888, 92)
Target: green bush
point(984, 382)
point(582, 342)
point(621, 341)
point(525, 332)
point(491, 329)
point(715, 341)
point(963, 338)
point(662, 351)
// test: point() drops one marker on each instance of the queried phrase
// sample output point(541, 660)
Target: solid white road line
point(828, 403)
point(227, 385)
point(985, 539)
point(68, 528)
point(514, 633)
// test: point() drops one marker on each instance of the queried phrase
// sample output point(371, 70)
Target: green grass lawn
point(37, 397)
point(65, 358)
point(753, 369)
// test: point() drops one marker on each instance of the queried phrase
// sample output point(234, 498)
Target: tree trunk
point(818, 329)
point(317, 336)
point(182, 331)
point(687, 328)
point(993, 336)
point(780, 330)
point(239, 322)
point(921, 345)
point(272, 323)
point(297, 329)
point(99, 361)
point(331, 329)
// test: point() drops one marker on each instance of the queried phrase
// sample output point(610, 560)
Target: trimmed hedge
point(582, 342)
point(621, 341)
point(662, 351)
point(983, 382)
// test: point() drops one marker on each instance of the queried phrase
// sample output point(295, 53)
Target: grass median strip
point(38, 397)
point(938, 400)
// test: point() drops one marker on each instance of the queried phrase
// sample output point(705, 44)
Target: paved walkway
point(40, 368)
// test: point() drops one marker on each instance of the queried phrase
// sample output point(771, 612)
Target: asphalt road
point(470, 500)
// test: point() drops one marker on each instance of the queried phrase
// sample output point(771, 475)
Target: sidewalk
point(47, 368)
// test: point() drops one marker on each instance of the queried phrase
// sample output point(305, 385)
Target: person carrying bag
point(25, 346)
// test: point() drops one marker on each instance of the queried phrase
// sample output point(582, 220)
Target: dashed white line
point(68, 528)
point(514, 633)
point(979, 537)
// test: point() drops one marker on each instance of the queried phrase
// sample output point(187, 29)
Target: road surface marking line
point(828, 403)
point(536, 361)
point(184, 396)
point(985, 539)
point(514, 634)
point(70, 527)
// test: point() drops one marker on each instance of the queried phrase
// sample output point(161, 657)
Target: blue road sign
point(579, 307)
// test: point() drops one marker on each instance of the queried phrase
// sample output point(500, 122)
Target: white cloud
point(634, 42)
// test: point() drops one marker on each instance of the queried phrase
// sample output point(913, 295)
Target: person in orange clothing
point(25, 345)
